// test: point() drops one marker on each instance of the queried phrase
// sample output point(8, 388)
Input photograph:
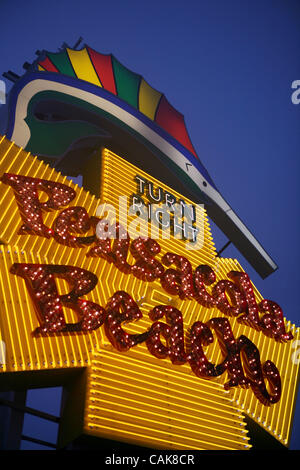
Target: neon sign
point(122, 308)
point(182, 282)
point(159, 318)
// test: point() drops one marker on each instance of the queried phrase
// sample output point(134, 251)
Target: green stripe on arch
point(62, 63)
point(127, 83)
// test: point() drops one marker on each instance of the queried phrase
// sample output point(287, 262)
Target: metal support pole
point(31, 411)
point(38, 441)
point(224, 247)
point(12, 419)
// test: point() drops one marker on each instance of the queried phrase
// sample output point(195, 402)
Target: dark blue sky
point(228, 67)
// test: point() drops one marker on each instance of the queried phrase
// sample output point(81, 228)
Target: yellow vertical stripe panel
point(133, 398)
point(119, 180)
point(277, 418)
point(83, 66)
point(148, 99)
point(15, 160)
point(18, 321)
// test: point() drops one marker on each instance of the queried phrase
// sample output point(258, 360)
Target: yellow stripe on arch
point(83, 66)
point(148, 99)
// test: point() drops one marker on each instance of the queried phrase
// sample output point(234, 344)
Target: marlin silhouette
point(70, 103)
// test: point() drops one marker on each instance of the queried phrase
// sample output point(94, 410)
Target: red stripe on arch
point(103, 66)
point(172, 121)
point(48, 65)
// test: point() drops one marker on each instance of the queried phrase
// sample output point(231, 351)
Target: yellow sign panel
point(139, 388)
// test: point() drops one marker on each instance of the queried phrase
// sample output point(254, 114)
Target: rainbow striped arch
point(56, 111)
point(105, 71)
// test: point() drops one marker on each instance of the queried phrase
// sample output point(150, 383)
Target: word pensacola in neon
point(182, 281)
